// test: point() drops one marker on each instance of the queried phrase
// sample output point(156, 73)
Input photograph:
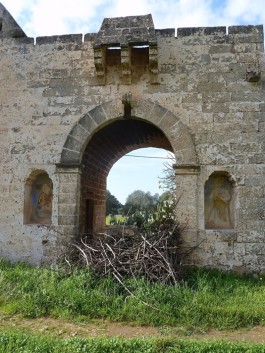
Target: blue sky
point(49, 17)
point(138, 173)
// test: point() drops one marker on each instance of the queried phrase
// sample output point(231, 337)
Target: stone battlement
point(250, 34)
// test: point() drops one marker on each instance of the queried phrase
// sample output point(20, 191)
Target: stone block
point(70, 157)
point(73, 144)
point(216, 107)
point(200, 31)
point(68, 177)
point(216, 97)
point(98, 115)
point(67, 220)
point(89, 37)
point(68, 38)
point(255, 248)
point(165, 32)
point(247, 33)
point(211, 87)
point(65, 210)
point(220, 49)
point(67, 198)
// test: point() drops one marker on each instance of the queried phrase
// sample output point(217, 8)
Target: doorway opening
point(105, 148)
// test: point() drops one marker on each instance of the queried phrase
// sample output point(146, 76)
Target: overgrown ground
point(56, 305)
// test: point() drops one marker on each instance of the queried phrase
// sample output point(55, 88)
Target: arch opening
point(142, 169)
point(104, 149)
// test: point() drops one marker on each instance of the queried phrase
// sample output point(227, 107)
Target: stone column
point(68, 203)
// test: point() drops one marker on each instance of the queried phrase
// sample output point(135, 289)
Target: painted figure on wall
point(41, 200)
point(218, 194)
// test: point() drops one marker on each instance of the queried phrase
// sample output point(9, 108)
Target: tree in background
point(113, 206)
point(165, 196)
point(141, 201)
point(139, 206)
point(168, 181)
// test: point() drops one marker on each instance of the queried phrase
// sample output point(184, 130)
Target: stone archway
point(107, 146)
point(176, 132)
point(103, 136)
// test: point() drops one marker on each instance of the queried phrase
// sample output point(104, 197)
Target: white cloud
point(47, 17)
point(245, 11)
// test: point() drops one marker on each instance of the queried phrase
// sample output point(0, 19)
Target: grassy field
point(118, 218)
point(206, 299)
point(18, 343)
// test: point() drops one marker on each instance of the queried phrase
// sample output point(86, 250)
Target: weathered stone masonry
point(71, 106)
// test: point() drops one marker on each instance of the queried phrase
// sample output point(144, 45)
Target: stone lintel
point(186, 169)
point(68, 168)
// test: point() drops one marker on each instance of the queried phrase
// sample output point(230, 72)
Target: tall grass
point(208, 298)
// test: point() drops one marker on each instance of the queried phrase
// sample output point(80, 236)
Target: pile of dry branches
point(151, 253)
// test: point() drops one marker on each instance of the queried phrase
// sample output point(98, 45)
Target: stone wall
point(70, 109)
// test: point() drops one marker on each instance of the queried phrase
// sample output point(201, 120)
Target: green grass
point(207, 299)
point(17, 343)
point(119, 218)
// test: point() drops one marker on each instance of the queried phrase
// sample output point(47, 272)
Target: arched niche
point(219, 201)
point(38, 198)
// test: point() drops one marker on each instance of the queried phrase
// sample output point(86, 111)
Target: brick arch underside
point(105, 148)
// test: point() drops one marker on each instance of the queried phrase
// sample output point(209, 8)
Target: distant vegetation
point(139, 205)
point(137, 210)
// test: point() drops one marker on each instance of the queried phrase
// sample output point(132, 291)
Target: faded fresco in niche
point(218, 202)
point(39, 200)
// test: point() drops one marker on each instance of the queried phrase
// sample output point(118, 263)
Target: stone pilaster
point(68, 203)
point(186, 181)
point(126, 64)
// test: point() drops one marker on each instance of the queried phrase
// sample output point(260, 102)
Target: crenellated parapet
point(131, 42)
